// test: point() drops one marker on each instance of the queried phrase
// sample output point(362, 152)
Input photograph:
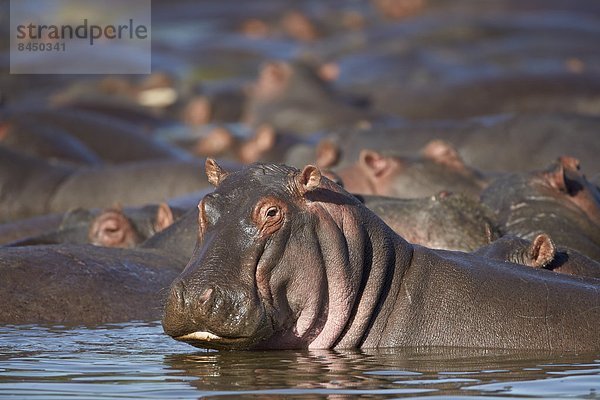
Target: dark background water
point(136, 360)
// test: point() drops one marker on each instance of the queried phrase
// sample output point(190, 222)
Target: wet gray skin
point(180, 238)
point(24, 228)
point(438, 168)
point(496, 143)
point(444, 221)
point(497, 62)
point(292, 97)
point(558, 201)
point(111, 139)
point(540, 252)
point(83, 284)
point(288, 259)
point(45, 142)
point(262, 144)
point(220, 101)
point(113, 227)
point(30, 187)
point(26, 184)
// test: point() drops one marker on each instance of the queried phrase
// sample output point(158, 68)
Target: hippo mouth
point(207, 339)
point(199, 335)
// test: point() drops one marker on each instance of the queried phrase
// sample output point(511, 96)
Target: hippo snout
point(199, 314)
point(188, 308)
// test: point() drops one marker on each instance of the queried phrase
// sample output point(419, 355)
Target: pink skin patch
point(4, 128)
point(343, 274)
point(582, 195)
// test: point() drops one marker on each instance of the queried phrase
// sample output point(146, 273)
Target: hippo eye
point(268, 215)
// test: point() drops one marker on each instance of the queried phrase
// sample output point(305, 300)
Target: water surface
point(136, 360)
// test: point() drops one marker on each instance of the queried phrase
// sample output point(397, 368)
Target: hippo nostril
point(205, 297)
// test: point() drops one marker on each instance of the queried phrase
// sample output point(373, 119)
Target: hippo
point(444, 221)
point(357, 283)
point(46, 142)
point(499, 143)
point(31, 186)
point(24, 228)
point(221, 101)
point(111, 139)
point(83, 284)
point(111, 227)
point(263, 143)
point(541, 252)
point(439, 168)
point(73, 283)
point(285, 94)
point(558, 200)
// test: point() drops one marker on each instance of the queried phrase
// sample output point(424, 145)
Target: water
point(136, 360)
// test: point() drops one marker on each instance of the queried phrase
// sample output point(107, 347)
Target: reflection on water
point(137, 360)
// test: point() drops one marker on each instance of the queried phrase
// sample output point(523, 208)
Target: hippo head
point(439, 167)
point(272, 265)
point(565, 181)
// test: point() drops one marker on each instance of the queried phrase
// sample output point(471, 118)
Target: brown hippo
point(293, 97)
point(30, 186)
point(288, 259)
point(111, 227)
point(519, 142)
point(45, 142)
point(559, 201)
point(83, 284)
point(438, 168)
point(111, 139)
point(541, 252)
point(445, 221)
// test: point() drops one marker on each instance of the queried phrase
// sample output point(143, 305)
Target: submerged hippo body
point(29, 186)
point(288, 259)
point(293, 97)
point(540, 253)
point(45, 142)
point(444, 221)
point(559, 201)
point(112, 227)
point(495, 143)
point(439, 168)
point(83, 284)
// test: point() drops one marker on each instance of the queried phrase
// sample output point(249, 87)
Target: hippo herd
point(356, 175)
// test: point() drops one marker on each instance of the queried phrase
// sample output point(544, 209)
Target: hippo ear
point(113, 229)
point(309, 179)
point(541, 252)
point(214, 172)
point(374, 162)
point(264, 139)
point(328, 153)
point(329, 72)
point(198, 111)
point(164, 217)
point(556, 176)
point(216, 142)
point(274, 78)
point(444, 153)
point(4, 129)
